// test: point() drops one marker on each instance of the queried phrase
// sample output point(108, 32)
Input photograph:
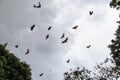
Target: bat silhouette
point(41, 74)
point(27, 51)
point(16, 46)
point(75, 27)
point(47, 36)
point(32, 27)
point(49, 28)
point(68, 61)
point(5, 44)
point(78, 68)
point(65, 40)
point(88, 46)
point(39, 6)
point(62, 35)
point(90, 12)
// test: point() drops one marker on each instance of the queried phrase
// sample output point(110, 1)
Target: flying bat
point(49, 28)
point(27, 51)
point(68, 61)
point(47, 36)
point(32, 27)
point(41, 74)
point(65, 40)
point(62, 36)
point(5, 44)
point(78, 68)
point(90, 12)
point(16, 46)
point(75, 27)
point(88, 46)
point(39, 6)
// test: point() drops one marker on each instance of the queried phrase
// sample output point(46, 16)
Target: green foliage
point(78, 74)
point(115, 48)
point(107, 70)
point(11, 68)
point(115, 43)
point(103, 71)
point(115, 51)
point(115, 4)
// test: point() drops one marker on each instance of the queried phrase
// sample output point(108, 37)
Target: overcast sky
point(17, 16)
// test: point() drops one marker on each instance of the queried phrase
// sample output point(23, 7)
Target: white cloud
point(97, 30)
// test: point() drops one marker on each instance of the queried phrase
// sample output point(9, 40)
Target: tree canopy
point(115, 43)
point(11, 68)
point(102, 71)
point(115, 4)
point(115, 47)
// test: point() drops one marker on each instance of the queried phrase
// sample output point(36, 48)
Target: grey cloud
point(16, 17)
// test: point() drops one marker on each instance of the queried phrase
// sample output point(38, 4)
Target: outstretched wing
point(90, 12)
point(62, 35)
point(75, 27)
point(64, 41)
point(41, 74)
point(27, 51)
point(49, 28)
point(47, 36)
point(32, 27)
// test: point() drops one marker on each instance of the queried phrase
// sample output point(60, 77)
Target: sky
point(97, 30)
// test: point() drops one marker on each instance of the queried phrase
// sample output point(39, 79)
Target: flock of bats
point(47, 36)
point(49, 28)
point(63, 35)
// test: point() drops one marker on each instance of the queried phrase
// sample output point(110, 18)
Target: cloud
point(17, 17)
